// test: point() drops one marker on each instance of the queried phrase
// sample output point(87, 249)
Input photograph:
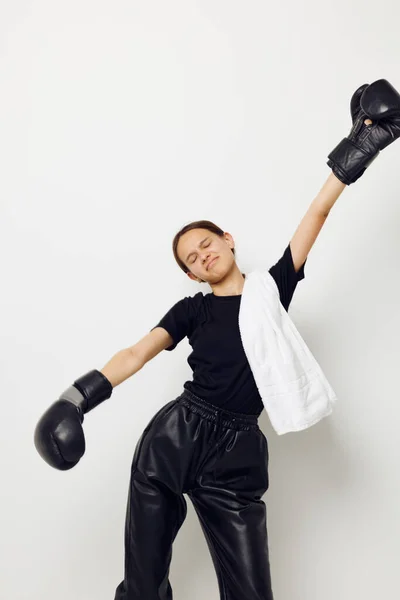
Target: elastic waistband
point(225, 418)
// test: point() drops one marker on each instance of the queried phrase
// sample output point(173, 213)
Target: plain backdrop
point(121, 122)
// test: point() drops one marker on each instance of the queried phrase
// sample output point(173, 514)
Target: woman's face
point(198, 247)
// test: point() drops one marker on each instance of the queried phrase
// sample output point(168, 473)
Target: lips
point(212, 262)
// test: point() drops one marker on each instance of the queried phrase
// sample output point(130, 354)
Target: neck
point(232, 288)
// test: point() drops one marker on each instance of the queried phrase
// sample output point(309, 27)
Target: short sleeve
point(286, 277)
point(179, 320)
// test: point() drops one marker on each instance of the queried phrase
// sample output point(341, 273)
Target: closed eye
point(206, 246)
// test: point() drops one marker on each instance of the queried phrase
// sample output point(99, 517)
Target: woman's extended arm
point(121, 366)
point(312, 222)
point(129, 361)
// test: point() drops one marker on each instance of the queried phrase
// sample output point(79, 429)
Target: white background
point(121, 122)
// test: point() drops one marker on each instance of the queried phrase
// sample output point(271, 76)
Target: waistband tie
point(220, 416)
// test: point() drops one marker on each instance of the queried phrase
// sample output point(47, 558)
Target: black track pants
point(220, 460)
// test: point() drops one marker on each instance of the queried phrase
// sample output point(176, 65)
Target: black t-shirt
point(221, 372)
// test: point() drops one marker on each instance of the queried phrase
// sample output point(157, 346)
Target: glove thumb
point(355, 103)
point(357, 114)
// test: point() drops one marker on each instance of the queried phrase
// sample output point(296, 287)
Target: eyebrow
point(201, 243)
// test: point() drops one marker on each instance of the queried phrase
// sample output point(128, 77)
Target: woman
point(206, 443)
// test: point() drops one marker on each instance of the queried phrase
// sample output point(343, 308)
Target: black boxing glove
point(59, 436)
point(379, 102)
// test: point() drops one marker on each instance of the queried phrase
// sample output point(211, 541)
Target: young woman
point(206, 443)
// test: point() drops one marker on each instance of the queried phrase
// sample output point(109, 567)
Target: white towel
point(293, 388)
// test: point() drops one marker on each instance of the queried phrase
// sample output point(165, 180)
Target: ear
point(228, 237)
point(193, 277)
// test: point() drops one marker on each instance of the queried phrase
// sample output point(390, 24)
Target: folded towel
point(292, 386)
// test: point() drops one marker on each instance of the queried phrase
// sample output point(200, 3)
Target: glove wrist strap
point(350, 161)
point(88, 391)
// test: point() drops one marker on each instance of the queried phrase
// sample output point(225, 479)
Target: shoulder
point(285, 266)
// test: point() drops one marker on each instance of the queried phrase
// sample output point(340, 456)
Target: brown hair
point(194, 225)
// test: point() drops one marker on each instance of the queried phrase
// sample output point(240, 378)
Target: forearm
point(328, 194)
point(122, 365)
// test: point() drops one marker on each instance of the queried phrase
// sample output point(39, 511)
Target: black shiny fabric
point(220, 460)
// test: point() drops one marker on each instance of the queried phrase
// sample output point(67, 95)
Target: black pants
point(220, 460)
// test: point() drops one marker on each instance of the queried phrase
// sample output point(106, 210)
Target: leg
point(156, 509)
point(154, 516)
point(233, 516)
